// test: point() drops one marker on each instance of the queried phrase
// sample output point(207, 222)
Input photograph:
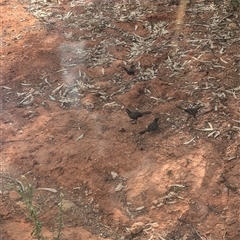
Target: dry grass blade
point(207, 129)
point(58, 88)
point(79, 137)
point(47, 189)
point(188, 142)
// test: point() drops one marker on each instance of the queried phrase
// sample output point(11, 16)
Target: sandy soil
point(64, 127)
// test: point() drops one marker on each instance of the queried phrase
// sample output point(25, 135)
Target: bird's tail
point(180, 107)
point(198, 107)
point(147, 112)
point(142, 132)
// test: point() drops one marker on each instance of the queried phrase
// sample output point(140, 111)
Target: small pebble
point(140, 208)
point(137, 228)
point(233, 26)
point(114, 175)
point(119, 187)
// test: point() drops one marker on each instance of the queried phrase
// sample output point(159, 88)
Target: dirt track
point(64, 126)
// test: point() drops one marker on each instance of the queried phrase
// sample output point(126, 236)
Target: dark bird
point(129, 71)
point(191, 111)
point(153, 126)
point(135, 114)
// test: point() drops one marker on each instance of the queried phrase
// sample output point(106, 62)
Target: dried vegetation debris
point(202, 48)
point(93, 20)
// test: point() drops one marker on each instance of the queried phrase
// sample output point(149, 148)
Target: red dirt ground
point(64, 126)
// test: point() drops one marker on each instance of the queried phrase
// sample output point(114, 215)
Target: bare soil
point(64, 127)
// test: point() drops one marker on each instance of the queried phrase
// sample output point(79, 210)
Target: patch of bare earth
point(64, 127)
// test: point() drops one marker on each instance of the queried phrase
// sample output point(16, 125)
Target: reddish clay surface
point(63, 122)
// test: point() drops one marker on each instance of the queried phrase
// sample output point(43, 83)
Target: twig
point(231, 158)
point(197, 232)
point(135, 148)
point(224, 235)
point(73, 155)
point(18, 140)
point(186, 143)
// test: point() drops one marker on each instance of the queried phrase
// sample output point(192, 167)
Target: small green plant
point(27, 193)
point(60, 220)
